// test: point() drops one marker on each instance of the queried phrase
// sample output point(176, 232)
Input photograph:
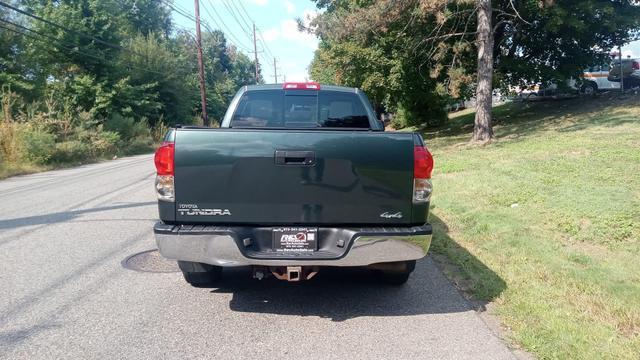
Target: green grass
point(8, 170)
point(563, 265)
point(24, 168)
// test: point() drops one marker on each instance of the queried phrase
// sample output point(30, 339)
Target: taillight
point(164, 158)
point(422, 163)
point(165, 171)
point(635, 65)
point(422, 167)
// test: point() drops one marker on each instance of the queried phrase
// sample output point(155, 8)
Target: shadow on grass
point(470, 275)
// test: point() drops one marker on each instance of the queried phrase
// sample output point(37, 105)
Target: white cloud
point(271, 34)
point(288, 30)
point(289, 6)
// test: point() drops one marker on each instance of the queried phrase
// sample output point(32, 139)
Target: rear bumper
point(224, 246)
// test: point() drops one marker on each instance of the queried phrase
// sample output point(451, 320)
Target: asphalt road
point(65, 236)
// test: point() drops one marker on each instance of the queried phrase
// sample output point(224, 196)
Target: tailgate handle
point(307, 158)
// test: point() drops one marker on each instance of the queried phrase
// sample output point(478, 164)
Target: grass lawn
point(545, 222)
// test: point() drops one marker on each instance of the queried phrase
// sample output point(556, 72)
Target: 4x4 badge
point(388, 215)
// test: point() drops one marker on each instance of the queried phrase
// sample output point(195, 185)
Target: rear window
point(300, 109)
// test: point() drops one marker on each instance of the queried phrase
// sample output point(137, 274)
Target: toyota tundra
point(298, 177)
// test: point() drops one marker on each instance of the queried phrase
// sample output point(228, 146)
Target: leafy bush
point(8, 142)
point(102, 143)
point(127, 127)
point(135, 136)
point(159, 131)
point(399, 120)
point(51, 132)
point(8, 128)
point(139, 145)
point(73, 151)
point(36, 145)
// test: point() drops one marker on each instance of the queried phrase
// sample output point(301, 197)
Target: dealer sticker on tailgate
point(295, 239)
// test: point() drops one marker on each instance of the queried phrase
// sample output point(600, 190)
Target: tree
point(359, 48)
point(82, 78)
point(161, 90)
point(15, 67)
point(146, 17)
point(115, 56)
point(482, 130)
point(448, 42)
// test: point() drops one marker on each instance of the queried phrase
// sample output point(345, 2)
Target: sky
point(278, 31)
point(632, 50)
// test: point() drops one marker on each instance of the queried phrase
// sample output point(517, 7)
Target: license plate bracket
point(295, 239)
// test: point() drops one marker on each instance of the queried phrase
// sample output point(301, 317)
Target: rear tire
point(199, 274)
point(398, 277)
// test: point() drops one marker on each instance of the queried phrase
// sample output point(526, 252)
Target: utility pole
point(275, 71)
point(255, 51)
point(203, 90)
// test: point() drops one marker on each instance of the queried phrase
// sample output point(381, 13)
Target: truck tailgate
point(293, 177)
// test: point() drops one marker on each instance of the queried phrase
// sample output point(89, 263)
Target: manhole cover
point(150, 261)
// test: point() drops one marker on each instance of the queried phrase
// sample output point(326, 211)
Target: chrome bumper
point(220, 246)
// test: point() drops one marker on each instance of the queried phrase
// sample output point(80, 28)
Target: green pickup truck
point(298, 177)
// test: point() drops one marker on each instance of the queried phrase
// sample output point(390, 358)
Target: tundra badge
point(192, 209)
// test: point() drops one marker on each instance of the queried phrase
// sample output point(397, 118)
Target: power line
point(86, 36)
point(246, 22)
point(233, 15)
point(230, 33)
point(183, 12)
point(183, 9)
point(219, 22)
point(173, 7)
point(244, 10)
point(178, 9)
point(69, 47)
point(76, 47)
point(262, 40)
point(264, 43)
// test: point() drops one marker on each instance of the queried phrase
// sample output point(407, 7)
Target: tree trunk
point(482, 131)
